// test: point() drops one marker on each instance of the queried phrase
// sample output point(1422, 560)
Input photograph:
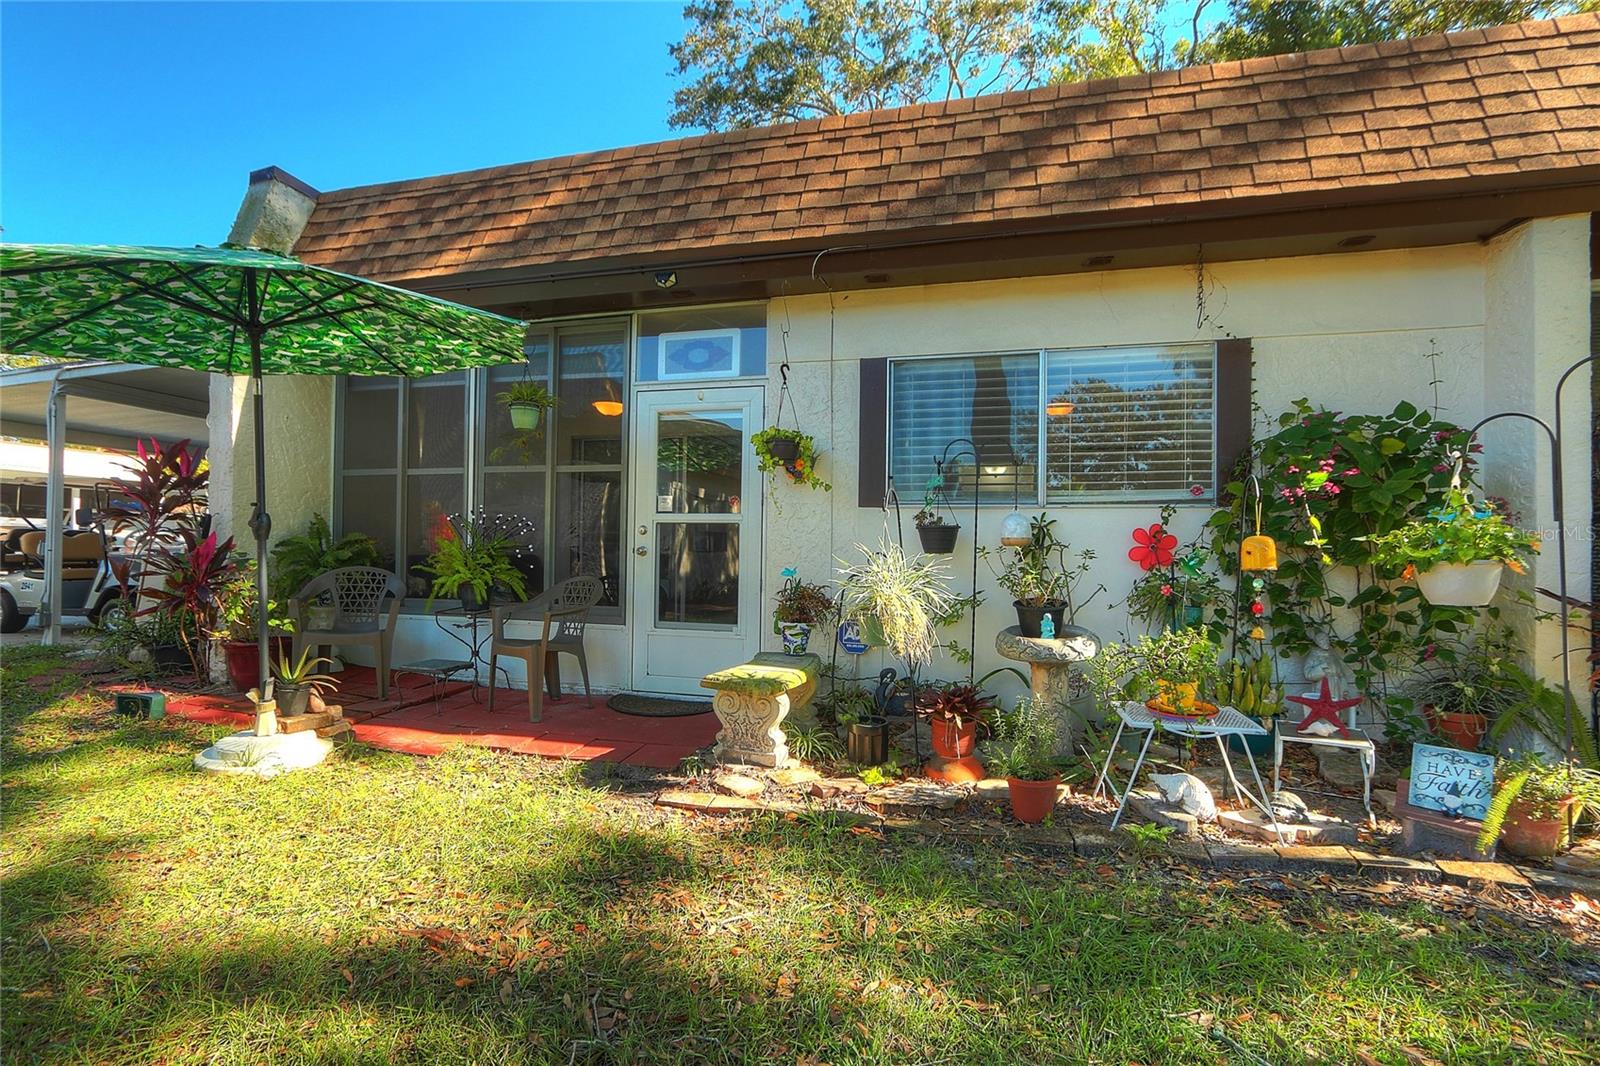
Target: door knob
point(641, 550)
point(643, 530)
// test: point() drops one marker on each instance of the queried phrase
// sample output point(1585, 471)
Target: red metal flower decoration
point(1152, 547)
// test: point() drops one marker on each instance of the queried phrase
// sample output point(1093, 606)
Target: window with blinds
point(1130, 423)
point(991, 400)
point(1134, 423)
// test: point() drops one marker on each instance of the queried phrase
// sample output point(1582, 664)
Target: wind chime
point(1258, 554)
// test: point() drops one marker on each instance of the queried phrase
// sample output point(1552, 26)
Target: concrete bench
point(753, 699)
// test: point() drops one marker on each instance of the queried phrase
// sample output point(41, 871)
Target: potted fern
point(469, 568)
point(1532, 800)
point(1457, 554)
point(1023, 752)
point(527, 401)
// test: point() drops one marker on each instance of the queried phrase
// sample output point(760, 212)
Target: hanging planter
point(1461, 584)
point(1456, 554)
point(791, 451)
point(527, 401)
point(937, 538)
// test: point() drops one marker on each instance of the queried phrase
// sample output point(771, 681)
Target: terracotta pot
point(1032, 801)
point(938, 540)
point(1534, 838)
point(952, 743)
point(244, 660)
point(1464, 729)
point(1461, 584)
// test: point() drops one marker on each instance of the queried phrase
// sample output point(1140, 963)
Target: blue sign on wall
point(1451, 781)
point(850, 638)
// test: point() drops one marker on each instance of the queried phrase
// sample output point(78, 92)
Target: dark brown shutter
point(873, 437)
point(1233, 406)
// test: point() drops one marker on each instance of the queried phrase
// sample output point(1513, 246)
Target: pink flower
point(1326, 465)
point(1197, 490)
point(1293, 469)
point(1166, 590)
point(1331, 489)
point(1429, 652)
point(1354, 470)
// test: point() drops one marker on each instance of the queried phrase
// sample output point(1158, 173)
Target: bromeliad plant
point(957, 705)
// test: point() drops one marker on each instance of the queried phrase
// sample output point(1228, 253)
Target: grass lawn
point(492, 908)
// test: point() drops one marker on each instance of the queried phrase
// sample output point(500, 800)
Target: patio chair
point(358, 595)
point(565, 611)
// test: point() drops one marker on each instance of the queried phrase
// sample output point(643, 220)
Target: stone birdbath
point(1051, 665)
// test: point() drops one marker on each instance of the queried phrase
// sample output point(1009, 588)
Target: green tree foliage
point(1273, 27)
point(747, 63)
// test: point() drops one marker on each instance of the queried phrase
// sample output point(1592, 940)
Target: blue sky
point(139, 123)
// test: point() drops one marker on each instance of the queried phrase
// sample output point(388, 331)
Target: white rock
point(246, 753)
point(1189, 793)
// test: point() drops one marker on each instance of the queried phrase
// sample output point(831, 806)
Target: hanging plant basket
point(1461, 584)
point(784, 449)
point(525, 415)
point(938, 540)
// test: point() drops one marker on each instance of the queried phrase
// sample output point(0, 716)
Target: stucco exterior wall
point(1350, 331)
point(1537, 306)
point(299, 439)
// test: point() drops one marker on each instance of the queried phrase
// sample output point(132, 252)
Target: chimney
point(275, 210)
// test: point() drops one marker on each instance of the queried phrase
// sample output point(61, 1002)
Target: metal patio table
point(1227, 722)
point(452, 621)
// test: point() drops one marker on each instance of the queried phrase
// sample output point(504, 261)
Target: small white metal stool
point(1227, 722)
point(1360, 743)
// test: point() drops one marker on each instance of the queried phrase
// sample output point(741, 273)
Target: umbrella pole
point(260, 521)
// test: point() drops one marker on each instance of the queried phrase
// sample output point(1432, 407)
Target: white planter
point(796, 637)
point(1461, 584)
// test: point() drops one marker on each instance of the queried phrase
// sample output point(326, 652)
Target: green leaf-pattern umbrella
point(235, 311)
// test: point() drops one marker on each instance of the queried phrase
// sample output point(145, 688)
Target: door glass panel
point(699, 462)
point(588, 532)
point(698, 573)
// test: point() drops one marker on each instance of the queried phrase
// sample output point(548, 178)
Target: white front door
point(697, 536)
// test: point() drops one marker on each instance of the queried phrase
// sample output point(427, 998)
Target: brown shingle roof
point(1474, 104)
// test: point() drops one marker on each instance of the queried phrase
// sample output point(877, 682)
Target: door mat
point(657, 706)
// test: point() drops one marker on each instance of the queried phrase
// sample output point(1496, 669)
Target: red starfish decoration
point(1323, 705)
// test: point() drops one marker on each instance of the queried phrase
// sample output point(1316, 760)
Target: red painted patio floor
point(572, 728)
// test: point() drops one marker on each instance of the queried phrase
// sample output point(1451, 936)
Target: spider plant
point(905, 596)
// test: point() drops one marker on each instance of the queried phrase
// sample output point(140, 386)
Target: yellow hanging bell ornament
point(1257, 633)
point(1259, 551)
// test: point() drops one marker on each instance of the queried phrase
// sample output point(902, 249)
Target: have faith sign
point(1451, 781)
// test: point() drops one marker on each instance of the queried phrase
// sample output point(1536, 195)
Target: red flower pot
point(1464, 729)
point(950, 742)
point(1534, 838)
point(244, 660)
point(1032, 801)
point(952, 761)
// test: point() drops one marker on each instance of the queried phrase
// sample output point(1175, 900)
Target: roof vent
point(1358, 241)
point(1098, 260)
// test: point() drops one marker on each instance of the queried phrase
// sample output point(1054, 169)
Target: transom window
point(1111, 424)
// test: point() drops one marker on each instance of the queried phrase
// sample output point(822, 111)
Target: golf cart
point(89, 588)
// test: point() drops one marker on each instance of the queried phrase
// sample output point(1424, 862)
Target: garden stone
point(915, 796)
point(793, 776)
point(1583, 859)
point(739, 785)
point(1188, 793)
point(1152, 807)
point(992, 790)
point(263, 756)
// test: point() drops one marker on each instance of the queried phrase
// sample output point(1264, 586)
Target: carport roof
point(109, 405)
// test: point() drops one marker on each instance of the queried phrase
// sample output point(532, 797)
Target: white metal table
point(1361, 745)
point(1227, 722)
